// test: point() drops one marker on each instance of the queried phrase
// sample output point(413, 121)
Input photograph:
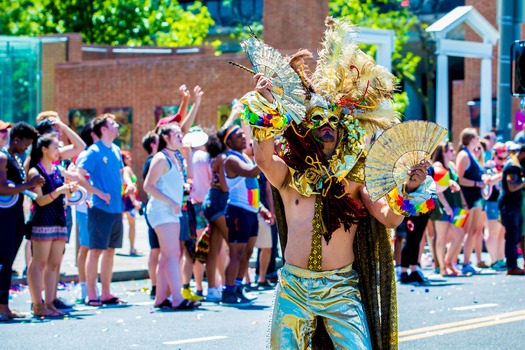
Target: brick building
point(81, 76)
point(468, 89)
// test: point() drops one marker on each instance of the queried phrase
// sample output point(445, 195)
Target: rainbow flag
point(442, 177)
point(459, 218)
point(252, 185)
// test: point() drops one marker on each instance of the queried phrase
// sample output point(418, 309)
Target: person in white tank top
point(164, 183)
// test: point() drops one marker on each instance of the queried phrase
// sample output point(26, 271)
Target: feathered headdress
point(351, 80)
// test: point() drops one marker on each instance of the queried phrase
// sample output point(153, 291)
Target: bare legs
point(218, 233)
point(153, 262)
point(169, 270)
point(474, 229)
point(264, 261)
point(132, 232)
point(106, 272)
point(42, 271)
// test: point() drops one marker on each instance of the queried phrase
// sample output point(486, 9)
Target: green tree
point(385, 14)
point(112, 22)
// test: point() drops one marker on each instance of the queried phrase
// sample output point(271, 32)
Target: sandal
point(52, 307)
point(40, 310)
point(94, 303)
point(165, 304)
point(114, 301)
point(186, 305)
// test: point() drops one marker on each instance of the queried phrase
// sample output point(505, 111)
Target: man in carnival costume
point(336, 289)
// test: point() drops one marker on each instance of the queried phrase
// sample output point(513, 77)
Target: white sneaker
point(214, 295)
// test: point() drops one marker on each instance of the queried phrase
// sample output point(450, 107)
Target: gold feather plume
point(348, 76)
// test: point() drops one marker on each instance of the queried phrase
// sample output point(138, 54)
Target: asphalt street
point(479, 312)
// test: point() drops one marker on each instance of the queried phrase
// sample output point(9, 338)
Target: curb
point(118, 276)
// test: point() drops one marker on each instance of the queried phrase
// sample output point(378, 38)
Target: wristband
point(409, 204)
point(51, 195)
point(475, 184)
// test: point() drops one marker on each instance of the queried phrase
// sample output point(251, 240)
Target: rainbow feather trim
point(412, 207)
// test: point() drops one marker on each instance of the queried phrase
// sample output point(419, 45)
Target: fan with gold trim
point(396, 150)
point(287, 86)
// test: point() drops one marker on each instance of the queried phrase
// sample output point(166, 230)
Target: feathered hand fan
point(396, 151)
point(287, 87)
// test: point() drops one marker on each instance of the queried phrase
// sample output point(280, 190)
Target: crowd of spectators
point(208, 206)
point(480, 185)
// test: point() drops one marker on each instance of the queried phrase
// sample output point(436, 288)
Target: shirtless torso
point(299, 209)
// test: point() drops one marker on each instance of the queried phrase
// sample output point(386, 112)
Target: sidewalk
point(125, 268)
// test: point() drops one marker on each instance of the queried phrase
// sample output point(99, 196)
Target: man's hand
point(418, 174)
point(263, 86)
point(267, 216)
point(106, 197)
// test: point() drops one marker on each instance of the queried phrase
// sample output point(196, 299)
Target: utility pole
point(508, 20)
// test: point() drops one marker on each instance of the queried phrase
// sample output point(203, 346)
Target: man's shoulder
point(94, 148)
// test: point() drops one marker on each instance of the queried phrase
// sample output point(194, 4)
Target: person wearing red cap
point(179, 116)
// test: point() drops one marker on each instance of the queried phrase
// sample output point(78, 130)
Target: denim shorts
point(492, 210)
point(82, 225)
point(215, 204)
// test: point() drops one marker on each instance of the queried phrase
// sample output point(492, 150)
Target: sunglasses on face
point(4, 131)
point(501, 158)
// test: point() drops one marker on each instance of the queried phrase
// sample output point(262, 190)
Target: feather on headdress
point(348, 77)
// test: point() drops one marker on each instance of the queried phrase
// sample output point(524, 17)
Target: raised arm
point(76, 144)
point(234, 114)
point(273, 167)
point(190, 118)
point(185, 98)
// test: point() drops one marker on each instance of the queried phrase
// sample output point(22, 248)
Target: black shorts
point(242, 224)
point(105, 229)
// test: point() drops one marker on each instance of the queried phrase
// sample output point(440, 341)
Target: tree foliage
point(370, 13)
point(112, 22)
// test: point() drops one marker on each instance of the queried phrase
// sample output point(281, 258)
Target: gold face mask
point(321, 116)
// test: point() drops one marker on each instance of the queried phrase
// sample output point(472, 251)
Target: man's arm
point(89, 187)
point(273, 167)
point(236, 167)
point(380, 210)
